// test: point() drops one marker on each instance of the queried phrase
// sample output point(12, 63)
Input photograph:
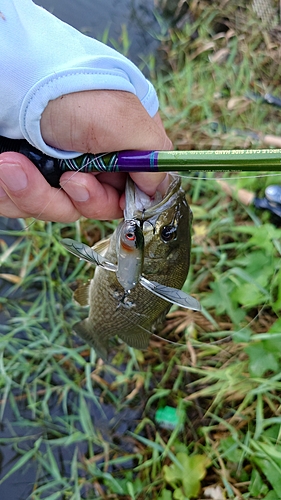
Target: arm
point(66, 94)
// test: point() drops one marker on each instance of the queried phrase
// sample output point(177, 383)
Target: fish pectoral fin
point(84, 330)
point(81, 294)
point(171, 294)
point(85, 252)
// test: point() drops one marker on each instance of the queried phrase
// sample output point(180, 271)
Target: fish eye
point(168, 233)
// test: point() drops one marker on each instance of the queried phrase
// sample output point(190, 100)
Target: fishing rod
point(148, 161)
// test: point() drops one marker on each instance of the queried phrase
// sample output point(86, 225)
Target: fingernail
point(77, 192)
point(13, 176)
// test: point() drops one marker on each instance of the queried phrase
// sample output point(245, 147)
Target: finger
point(149, 183)
point(116, 180)
point(92, 198)
point(8, 208)
point(28, 194)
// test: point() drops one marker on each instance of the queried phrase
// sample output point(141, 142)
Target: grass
point(76, 428)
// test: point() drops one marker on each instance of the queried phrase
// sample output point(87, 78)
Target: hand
point(95, 122)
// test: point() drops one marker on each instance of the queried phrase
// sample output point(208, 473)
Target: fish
point(131, 300)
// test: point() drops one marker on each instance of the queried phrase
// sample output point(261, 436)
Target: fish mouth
point(140, 206)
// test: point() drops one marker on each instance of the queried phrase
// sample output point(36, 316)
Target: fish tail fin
point(138, 341)
point(84, 330)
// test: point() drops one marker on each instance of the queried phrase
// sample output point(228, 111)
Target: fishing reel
point(271, 201)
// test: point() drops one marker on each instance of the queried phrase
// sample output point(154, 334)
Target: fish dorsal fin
point(173, 295)
point(85, 252)
point(102, 246)
point(81, 294)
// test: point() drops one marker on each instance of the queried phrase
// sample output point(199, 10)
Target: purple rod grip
point(141, 161)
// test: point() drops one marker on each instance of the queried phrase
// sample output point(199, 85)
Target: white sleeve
point(42, 58)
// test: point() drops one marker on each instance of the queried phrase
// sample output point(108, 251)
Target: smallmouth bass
point(152, 272)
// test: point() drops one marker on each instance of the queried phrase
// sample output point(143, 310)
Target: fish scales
point(167, 237)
